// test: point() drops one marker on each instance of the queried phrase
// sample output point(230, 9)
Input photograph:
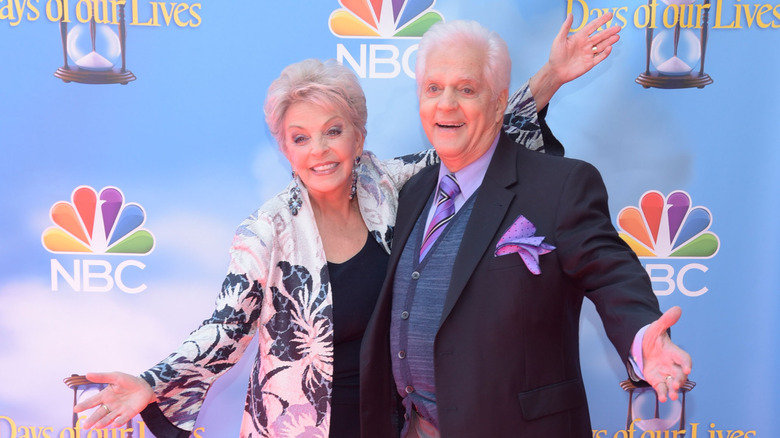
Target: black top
point(355, 286)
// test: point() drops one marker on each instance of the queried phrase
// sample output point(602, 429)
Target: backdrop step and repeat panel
point(150, 127)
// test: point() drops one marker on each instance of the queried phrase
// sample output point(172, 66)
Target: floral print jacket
point(277, 287)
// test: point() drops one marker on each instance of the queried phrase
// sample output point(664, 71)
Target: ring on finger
point(108, 411)
point(594, 49)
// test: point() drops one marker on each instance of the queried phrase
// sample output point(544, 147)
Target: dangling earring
point(353, 190)
point(294, 201)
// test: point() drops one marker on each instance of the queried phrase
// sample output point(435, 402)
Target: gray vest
point(419, 291)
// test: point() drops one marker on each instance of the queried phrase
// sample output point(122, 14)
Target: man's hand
point(665, 365)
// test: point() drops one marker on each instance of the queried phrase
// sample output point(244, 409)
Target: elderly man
point(476, 330)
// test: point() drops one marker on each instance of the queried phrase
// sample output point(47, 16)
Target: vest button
point(404, 315)
point(401, 354)
point(415, 275)
point(409, 389)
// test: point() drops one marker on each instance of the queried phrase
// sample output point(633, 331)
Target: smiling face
point(459, 112)
point(321, 146)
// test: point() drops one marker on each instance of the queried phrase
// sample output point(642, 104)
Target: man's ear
point(501, 103)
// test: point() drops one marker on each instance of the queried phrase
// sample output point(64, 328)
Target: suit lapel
point(490, 208)
point(415, 198)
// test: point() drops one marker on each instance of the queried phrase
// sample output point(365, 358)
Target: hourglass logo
point(93, 51)
point(673, 53)
point(383, 18)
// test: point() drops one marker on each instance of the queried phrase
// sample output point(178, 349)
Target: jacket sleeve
point(527, 125)
point(594, 255)
point(181, 380)
point(401, 169)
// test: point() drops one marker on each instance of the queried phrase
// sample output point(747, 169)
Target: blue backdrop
point(183, 145)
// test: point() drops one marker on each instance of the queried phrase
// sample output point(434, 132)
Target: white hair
point(453, 34)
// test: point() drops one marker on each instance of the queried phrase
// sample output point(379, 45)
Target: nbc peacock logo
point(668, 227)
point(98, 223)
point(383, 18)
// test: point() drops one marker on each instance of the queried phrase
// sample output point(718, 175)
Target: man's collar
point(471, 176)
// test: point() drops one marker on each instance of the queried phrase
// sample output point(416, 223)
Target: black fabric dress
point(355, 286)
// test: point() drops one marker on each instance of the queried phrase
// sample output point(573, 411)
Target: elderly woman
point(306, 268)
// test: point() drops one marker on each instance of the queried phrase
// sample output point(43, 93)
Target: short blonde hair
point(327, 84)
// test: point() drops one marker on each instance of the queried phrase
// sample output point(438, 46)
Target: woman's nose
point(320, 145)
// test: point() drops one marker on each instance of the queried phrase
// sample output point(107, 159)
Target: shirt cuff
point(635, 355)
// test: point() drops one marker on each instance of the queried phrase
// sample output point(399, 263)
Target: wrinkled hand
point(665, 365)
point(571, 56)
point(123, 398)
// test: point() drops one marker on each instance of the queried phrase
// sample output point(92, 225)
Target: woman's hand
point(571, 56)
point(123, 398)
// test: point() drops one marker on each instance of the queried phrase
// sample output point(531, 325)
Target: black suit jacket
point(506, 359)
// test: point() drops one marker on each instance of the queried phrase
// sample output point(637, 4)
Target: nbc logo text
point(97, 224)
point(670, 228)
point(381, 19)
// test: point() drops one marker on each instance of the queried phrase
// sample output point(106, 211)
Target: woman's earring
point(353, 190)
point(294, 201)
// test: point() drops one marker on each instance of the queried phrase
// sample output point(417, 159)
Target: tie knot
point(449, 185)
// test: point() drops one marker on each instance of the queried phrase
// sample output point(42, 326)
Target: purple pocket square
point(520, 238)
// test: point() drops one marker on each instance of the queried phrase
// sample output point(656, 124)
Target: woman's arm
point(170, 394)
point(571, 56)
point(181, 380)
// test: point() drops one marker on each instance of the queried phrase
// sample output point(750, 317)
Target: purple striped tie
point(445, 210)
